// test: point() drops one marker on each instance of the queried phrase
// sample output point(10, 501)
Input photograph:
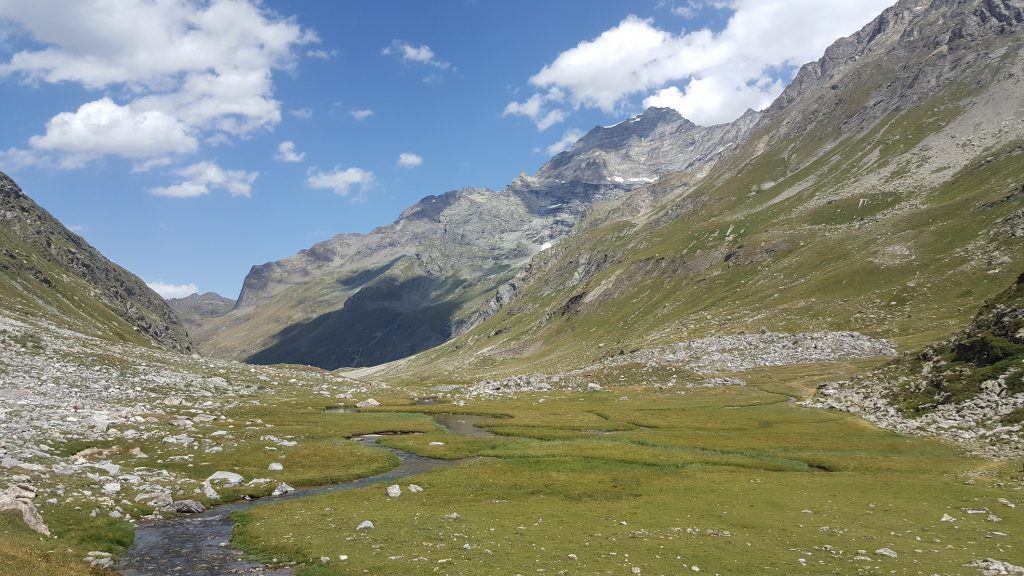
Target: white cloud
point(535, 109)
point(568, 139)
point(168, 291)
point(199, 70)
point(341, 181)
point(361, 114)
point(321, 54)
point(415, 54)
point(200, 178)
point(286, 152)
point(103, 127)
point(302, 113)
point(409, 160)
point(711, 77)
point(15, 159)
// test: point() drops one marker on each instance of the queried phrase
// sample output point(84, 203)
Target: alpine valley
point(793, 343)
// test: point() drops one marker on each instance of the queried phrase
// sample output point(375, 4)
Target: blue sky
point(189, 140)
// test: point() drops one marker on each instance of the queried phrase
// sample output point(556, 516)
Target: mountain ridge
point(468, 243)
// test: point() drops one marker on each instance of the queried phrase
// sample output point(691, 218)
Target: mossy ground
point(733, 480)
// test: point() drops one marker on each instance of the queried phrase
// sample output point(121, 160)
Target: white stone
point(888, 552)
point(275, 467)
point(229, 479)
point(415, 488)
point(282, 489)
point(365, 525)
point(394, 491)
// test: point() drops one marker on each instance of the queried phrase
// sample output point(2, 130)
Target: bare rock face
point(56, 251)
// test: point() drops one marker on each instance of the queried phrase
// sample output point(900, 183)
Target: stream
point(199, 544)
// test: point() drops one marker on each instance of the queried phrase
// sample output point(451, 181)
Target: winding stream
point(198, 545)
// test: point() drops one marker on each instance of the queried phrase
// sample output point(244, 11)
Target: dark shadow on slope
point(384, 321)
point(366, 276)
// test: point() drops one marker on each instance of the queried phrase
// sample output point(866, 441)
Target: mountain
point(196, 308)
point(48, 271)
point(882, 192)
point(364, 299)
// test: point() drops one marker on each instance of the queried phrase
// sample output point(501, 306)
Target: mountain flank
point(879, 194)
point(49, 271)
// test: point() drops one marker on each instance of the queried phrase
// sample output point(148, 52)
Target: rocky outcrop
point(969, 389)
point(18, 499)
point(59, 251)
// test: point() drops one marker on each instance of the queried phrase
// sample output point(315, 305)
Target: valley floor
point(634, 467)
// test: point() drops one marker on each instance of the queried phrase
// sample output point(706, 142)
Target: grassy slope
point(31, 285)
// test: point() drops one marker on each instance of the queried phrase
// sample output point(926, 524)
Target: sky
point(189, 140)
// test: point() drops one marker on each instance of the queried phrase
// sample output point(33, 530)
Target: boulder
point(187, 506)
point(228, 479)
point(394, 491)
point(27, 509)
point(368, 403)
point(282, 489)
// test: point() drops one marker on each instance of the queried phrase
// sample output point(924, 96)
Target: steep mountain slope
point(883, 192)
point(196, 308)
point(358, 300)
point(47, 271)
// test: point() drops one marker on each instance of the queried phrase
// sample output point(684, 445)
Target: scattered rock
point(275, 467)
point(415, 488)
point(947, 518)
point(394, 491)
point(98, 559)
point(365, 525)
point(368, 403)
point(990, 567)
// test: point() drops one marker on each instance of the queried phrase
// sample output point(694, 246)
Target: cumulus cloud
point(168, 291)
point(410, 54)
point(198, 179)
point(188, 71)
point(361, 114)
point(535, 108)
point(710, 77)
point(103, 127)
point(409, 160)
point(568, 139)
point(286, 152)
point(341, 181)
